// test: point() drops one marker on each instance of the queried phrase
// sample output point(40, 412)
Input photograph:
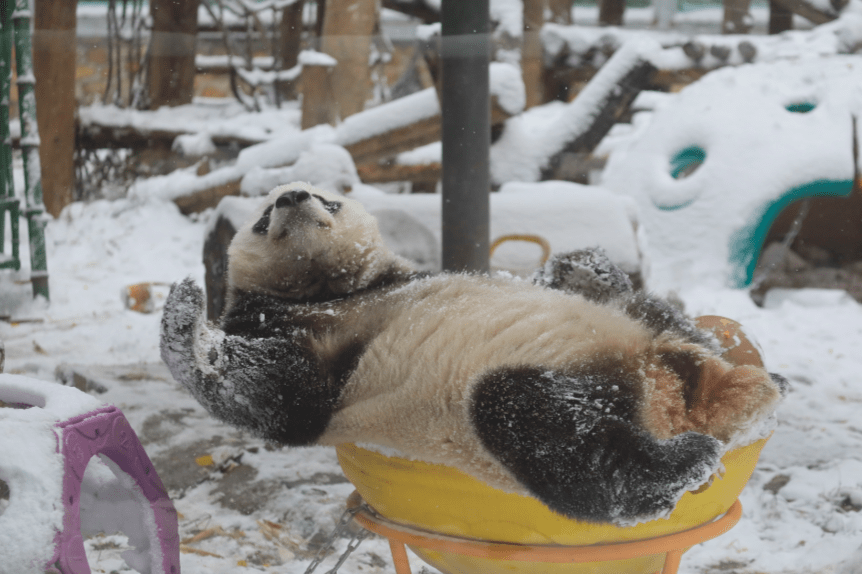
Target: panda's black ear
point(262, 225)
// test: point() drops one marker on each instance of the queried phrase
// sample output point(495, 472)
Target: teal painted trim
point(675, 206)
point(690, 157)
point(800, 107)
point(682, 164)
point(747, 243)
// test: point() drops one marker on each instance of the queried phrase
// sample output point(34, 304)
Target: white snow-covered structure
point(715, 164)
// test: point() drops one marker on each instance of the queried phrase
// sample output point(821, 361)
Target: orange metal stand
point(672, 544)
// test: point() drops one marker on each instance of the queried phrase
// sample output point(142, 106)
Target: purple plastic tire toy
point(107, 432)
point(47, 440)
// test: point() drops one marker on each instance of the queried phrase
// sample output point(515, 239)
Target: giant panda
point(605, 408)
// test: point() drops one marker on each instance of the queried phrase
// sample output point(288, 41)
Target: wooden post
point(347, 29)
point(290, 34)
point(664, 13)
point(289, 44)
point(611, 12)
point(171, 71)
point(318, 99)
point(531, 55)
point(780, 18)
point(561, 11)
point(54, 42)
point(736, 17)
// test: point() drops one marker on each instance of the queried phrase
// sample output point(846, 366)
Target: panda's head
point(305, 243)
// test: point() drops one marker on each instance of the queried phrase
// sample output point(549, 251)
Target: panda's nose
point(291, 198)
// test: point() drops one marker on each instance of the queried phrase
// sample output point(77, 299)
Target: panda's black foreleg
point(268, 386)
point(571, 440)
point(586, 272)
point(591, 274)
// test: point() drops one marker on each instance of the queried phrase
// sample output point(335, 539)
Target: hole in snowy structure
point(686, 161)
point(826, 251)
point(112, 517)
point(802, 107)
point(11, 405)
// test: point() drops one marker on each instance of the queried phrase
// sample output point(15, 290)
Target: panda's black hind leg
point(591, 274)
point(571, 440)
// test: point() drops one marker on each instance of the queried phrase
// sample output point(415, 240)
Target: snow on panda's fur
point(606, 408)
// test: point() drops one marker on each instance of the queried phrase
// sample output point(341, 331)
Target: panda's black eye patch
point(332, 207)
point(262, 225)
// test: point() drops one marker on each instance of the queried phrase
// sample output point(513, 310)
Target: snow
point(568, 215)
point(507, 85)
point(215, 117)
point(194, 145)
point(315, 58)
point(327, 166)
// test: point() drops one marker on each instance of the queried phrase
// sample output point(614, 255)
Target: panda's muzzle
point(291, 199)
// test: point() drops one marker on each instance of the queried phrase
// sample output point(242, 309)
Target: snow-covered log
point(369, 136)
point(818, 12)
point(601, 103)
point(94, 134)
point(198, 201)
point(386, 172)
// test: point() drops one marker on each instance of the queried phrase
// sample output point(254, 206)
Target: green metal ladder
point(15, 27)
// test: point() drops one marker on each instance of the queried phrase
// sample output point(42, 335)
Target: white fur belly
point(411, 388)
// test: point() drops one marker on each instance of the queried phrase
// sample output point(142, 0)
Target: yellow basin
point(445, 500)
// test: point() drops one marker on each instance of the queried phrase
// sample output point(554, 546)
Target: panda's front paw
point(183, 311)
point(184, 306)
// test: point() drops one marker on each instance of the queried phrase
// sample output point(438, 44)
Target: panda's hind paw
point(694, 457)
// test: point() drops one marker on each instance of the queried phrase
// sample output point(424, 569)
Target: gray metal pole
point(465, 52)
